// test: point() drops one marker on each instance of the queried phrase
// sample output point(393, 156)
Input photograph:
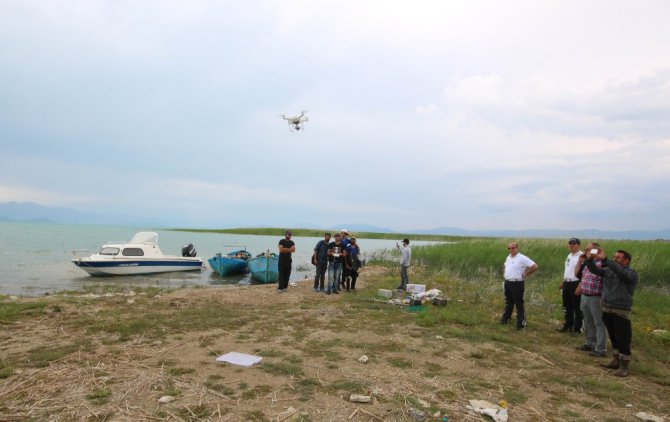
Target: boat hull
point(224, 265)
point(264, 269)
point(113, 267)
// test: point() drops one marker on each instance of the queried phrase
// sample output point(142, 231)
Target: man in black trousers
point(619, 282)
point(286, 248)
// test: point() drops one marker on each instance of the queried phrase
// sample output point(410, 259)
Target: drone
point(296, 123)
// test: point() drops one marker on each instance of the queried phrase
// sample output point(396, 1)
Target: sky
point(473, 114)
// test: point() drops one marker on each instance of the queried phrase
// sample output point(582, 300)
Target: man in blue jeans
point(320, 256)
point(590, 288)
point(336, 256)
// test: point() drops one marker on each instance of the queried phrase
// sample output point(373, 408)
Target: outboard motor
point(188, 251)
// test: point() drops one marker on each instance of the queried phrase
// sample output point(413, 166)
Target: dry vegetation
point(112, 358)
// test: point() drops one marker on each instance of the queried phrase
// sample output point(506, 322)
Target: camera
point(594, 251)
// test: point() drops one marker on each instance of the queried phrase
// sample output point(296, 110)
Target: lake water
point(35, 257)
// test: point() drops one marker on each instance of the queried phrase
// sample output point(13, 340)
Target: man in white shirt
point(517, 268)
point(405, 258)
point(571, 301)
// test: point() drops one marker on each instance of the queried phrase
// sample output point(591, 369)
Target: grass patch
point(159, 321)
point(515, 396)
point(206, 341)
point(197, 411)
point(5, 370)
point(432, 369)
point(305, 388)
point(41, 357)
point(605, 388)
point(270, 353)
point(400, 362)
point(474, 385)
point(221, 388)
point(281, 368)
point(180, 371)
point(350, 386)
point(256, 415)
point(100, 396)
point(257, 391)
point(14, 311)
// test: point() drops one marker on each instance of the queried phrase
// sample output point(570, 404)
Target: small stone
point(357, 398)
point(417, 414)
point(166, 399)
point(130, 301)
point(423, 403)
point(439, 337)
point(647, 417)
point(363, 359)
point(629, 405)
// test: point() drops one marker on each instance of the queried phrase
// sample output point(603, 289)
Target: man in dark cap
point(571, 301)
point(286, 248)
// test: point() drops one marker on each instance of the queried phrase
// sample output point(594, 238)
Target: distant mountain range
point(554, 233)
point(32, 212)
point(541, 233)
point(36, 213)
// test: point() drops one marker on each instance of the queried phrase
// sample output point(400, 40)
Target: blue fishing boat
point(265, 267)
point(236, 262)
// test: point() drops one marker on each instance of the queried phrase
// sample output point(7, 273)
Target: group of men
point(597, 296)
point(340, 259)
point(597, 292)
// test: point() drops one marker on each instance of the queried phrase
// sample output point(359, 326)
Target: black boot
point(614, 364)
point(624, 360)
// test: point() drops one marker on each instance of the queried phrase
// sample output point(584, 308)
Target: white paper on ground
point(241, 359)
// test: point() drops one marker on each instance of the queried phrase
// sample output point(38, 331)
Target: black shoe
point(520, 327)
point(336, 292)
point(598, 354)
point(564, 330)
point(584, 348)
point(504, 321)
point(328, 292)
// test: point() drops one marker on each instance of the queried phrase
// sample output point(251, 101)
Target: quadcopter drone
point(296, 122)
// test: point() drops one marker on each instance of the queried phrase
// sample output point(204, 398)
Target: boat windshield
point(109, 251)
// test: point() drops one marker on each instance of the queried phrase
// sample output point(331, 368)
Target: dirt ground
point(311, 344)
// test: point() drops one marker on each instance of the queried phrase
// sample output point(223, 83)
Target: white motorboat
point(140, 255)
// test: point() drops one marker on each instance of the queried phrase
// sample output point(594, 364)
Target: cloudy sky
point(471, 114)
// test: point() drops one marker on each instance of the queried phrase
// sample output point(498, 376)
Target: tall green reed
point(478, 258)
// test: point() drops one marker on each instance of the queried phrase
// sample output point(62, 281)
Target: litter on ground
point(241, 359)
point(498, 413)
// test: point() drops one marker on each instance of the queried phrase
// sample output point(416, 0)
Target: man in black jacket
point(619, 282)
